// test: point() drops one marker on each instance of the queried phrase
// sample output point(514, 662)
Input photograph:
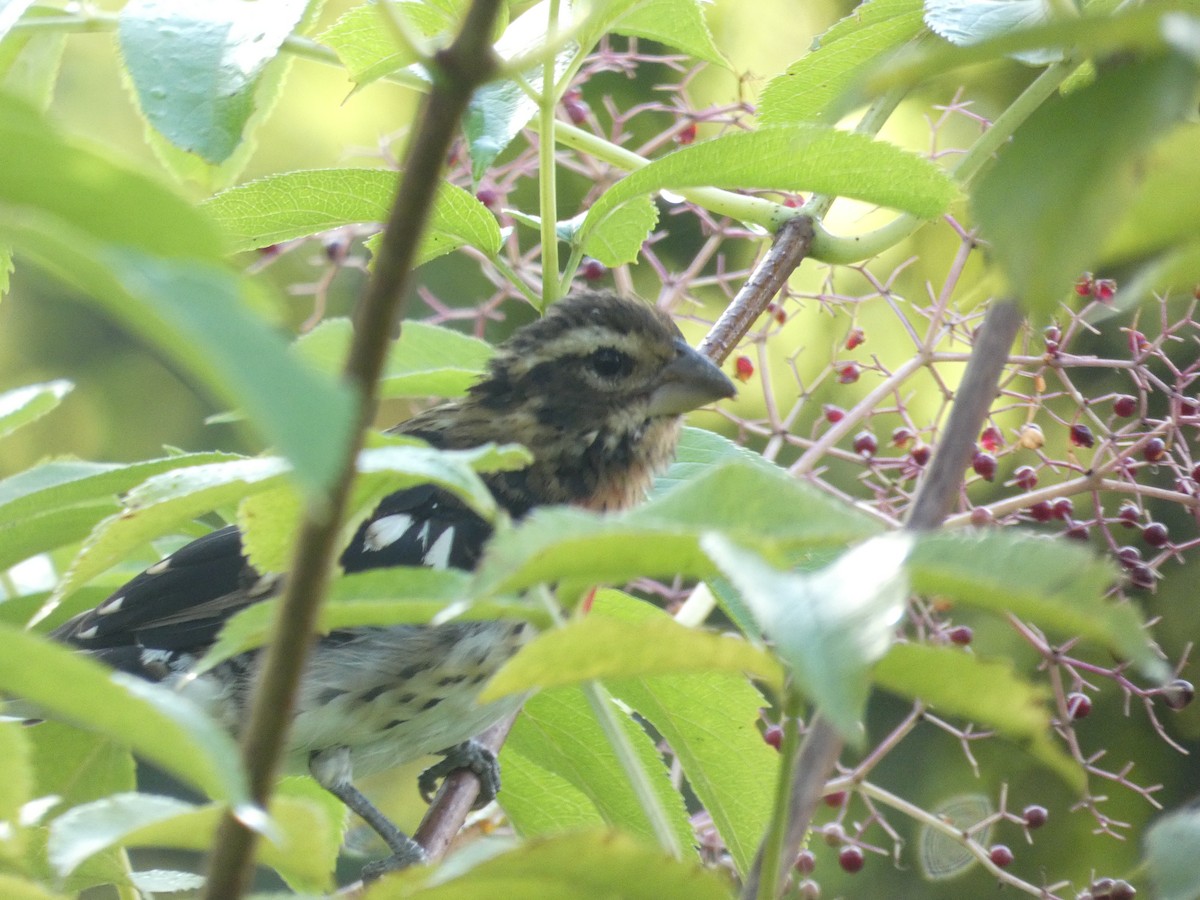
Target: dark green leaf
point(1056, 585)
point(1046, 206)
point(987, 693)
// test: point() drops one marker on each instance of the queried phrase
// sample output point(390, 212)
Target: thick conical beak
point(688, 381)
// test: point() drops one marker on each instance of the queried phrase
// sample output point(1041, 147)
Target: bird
point(595, 389)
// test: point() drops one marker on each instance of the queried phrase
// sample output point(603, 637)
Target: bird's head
point(596, 390)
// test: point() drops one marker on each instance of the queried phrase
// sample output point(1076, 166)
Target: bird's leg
point(332, 770)
point(475, 758)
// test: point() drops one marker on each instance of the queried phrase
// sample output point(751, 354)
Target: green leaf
point(809, 87)
point(157, 724)
point(427, 361)
point(368, 49)
point(1172, 848)
point(538, 801)
point(23, 405)
point(983, 692)
point(296, 204)
point(107, 201)
point(29, 61)
point(12, 887)
point(603, 647)
point(196, 315)
point(676, 23)
point(558, 731)
point(196, 68)
point(1161, 215)
point(1045, 207)
point(303, 852)
point(708, 719)
point(582, 864)
point(79, 765)
point(698, 451)
point(160, 504)
point(500, 109)
point(618, 239)
point(969, 22)
point(60, 484)
point(1058, 586)
point(16, 787)
point(790, 158)
point(661, 537)
point(830, 625)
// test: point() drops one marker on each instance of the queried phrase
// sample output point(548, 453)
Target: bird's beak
point(688, 381)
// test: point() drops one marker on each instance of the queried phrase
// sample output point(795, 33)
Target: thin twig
point(461, 67)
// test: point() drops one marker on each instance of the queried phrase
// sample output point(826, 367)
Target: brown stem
point(791, 246)
point(818, 753)
point(461, 67)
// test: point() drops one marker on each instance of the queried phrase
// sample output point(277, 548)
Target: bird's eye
point(608, 362)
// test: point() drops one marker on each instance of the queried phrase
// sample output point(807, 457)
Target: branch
point(465, 64)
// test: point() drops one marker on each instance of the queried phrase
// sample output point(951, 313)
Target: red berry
point(848, 374)
point(1155, 450)
point(1035, 816)
point(1129, 557)
point(1052, 334)
point(1178, 694)
point(1079, 705)
point(855, 338)
point(1000, 856)
point(337, 247)
point(1129, 514)
point(1105, 289)
point(1077, 532)
point(773, 735)
point(851, 859)
point(835, 834)
point(488, 198)
point(1196, 473)
point(593, 270)
point(743, 368)
point(1124, 405)
point(793, 201)
point(1026, 478)
point(865, 444)
point(687, 134)
point(805, 862)
point(1155, 534)
point(1081, 435)
point(1138, 343)
point(920, 454)
point(1141, 576)
point(270, 250)
point(981, 517)
point(901, 436)
point(991, 439)
point(835, 799)
point(833, 414)
point(1122, 890)
point(984, 465)
point(1062, 508)
point(1041, 511)
point(577, 110)
point(961, 635)
point(1083, 285)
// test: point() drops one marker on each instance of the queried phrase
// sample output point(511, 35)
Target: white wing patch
point(438, 556)
point(386, 531)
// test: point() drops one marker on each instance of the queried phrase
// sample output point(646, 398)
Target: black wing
point(178, 605)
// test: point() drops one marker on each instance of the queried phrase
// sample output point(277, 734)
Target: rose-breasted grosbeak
point(595, 390)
